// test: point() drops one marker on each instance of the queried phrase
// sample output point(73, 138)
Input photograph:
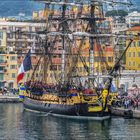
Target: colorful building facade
point(12, 45)
point(15, 45)
point(133, 53)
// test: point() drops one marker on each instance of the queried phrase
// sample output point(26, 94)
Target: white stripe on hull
point(81, 117)
point(72, 117)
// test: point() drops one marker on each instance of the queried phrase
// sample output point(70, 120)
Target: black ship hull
point(62, 110)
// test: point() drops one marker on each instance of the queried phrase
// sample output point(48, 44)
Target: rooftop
point(134, 28)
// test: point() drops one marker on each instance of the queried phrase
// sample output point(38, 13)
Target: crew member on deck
point(104, 95)
point(21, 92)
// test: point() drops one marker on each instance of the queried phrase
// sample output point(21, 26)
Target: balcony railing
point(3, 63)
point(2, 70)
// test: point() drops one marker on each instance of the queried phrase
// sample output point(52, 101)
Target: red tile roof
point(135, 28)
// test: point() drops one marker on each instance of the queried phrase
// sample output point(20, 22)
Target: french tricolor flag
point(25, 66)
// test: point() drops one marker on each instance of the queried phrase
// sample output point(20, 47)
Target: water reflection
point(17, 124)
point(63, 129)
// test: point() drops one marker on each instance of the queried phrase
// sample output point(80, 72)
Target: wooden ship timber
point(68, 95)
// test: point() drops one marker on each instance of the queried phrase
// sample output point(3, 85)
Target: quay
point(9, 99)
point(115, 111)
point(126, 113)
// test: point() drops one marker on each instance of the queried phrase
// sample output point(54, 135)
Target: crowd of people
point(39, 88)
point(5, 90)
point(127, 102)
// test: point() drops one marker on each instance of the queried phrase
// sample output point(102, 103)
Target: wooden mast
point(92, 24)
point(63, 44)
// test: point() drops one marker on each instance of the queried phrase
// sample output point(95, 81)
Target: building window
point(59, 55)
point(133, 54)
point(110, 59)
point(1, 76)
point(139, 43)
point(51, 75)
point(19, 44)
point(133, 63)
point(12, 66)
point(97, 59)
point(87, 59)
point(36, 74)
point(9, 35)
point(59, 67)
point(129, 54)
point(59, 47)
point(13, 75)
point(53, 67)
point(11, 28)
point(138, 54)
point(138, 65)
point(1, 35)
point(129, 63)
point(54, 56)
point(1, 68)
point(30, 29)
point(12, 58)
point(134, 44)
point(103, 59)
point(1, 59)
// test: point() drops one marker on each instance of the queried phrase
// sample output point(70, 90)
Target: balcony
point(3, 70)
point(3, 63)
point(11, 39)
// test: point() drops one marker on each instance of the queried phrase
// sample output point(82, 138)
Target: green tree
point(113, 13)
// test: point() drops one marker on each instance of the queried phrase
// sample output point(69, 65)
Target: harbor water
point(18, 124)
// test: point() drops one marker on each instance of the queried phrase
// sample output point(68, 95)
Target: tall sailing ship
point(69, 84)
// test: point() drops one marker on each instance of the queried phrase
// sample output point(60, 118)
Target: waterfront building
point(79, 26)
point(35, 15)
point(13, 46)
point(10, 71)
point(3, 60)
point(40, 15)
point(110, 7)
point(133, 53)
point(133, 18)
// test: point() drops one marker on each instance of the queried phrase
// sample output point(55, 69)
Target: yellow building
point(12, 45)
point(2, 56)
point(2, 40)
point(103, 57)
point(35, 15)
point(133, 53)
point(11, 70)
point(41, 15)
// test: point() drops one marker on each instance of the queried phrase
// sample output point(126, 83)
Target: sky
point(136, 4)
point(14, 7)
